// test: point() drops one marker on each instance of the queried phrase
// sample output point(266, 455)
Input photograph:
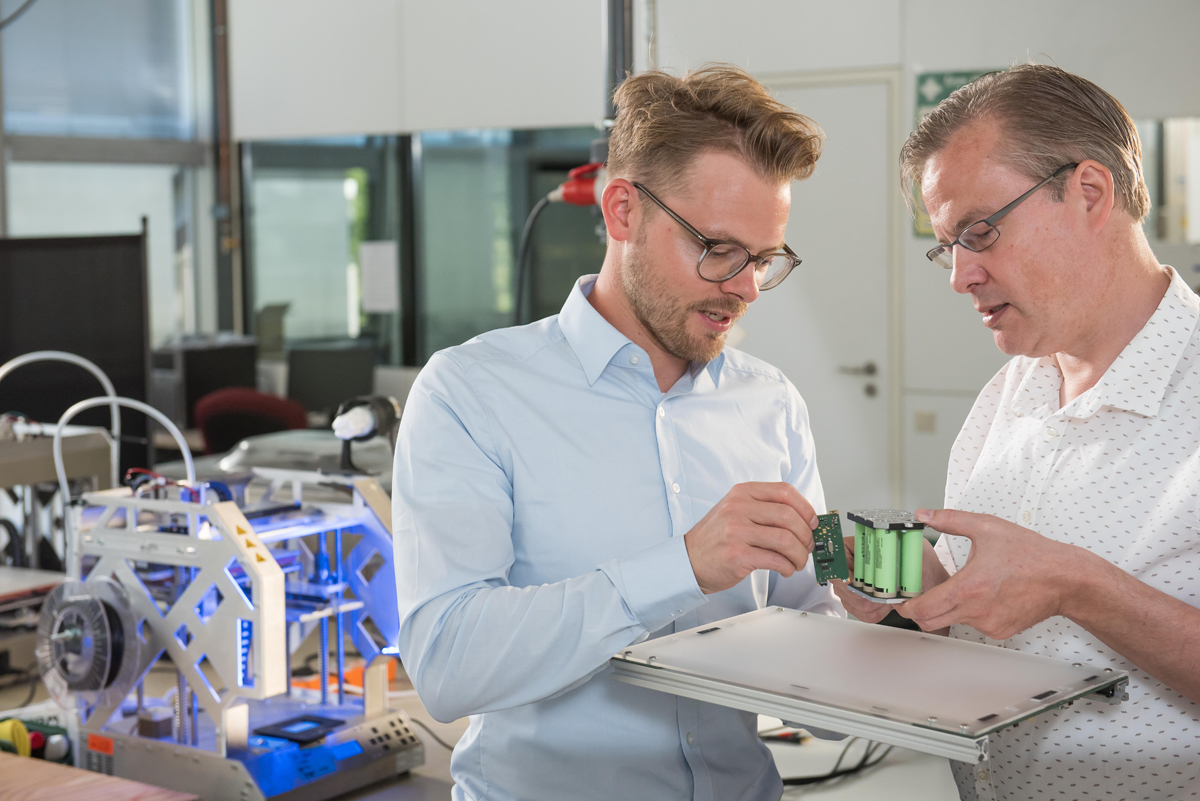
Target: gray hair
point(1047, 117)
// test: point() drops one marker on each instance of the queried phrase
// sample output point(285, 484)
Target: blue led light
point(299, 726)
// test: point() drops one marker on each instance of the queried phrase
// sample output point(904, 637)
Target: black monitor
point(320, 378)
point(84, 295)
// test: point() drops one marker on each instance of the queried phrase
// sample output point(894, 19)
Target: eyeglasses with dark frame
point(979, 236)
point(721, 260)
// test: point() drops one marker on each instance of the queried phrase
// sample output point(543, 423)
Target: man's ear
point(617, 203)
point(1097, 192)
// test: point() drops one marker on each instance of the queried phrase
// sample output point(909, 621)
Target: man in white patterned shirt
point(1072, 493)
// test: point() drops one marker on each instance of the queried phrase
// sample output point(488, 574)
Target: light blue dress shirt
point(543, 485)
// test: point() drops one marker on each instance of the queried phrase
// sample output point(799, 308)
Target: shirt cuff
point(657, 583)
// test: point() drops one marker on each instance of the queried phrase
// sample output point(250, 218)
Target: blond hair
point(664, 121)
point(1047, 117)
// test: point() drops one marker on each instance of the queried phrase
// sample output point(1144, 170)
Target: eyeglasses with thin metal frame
point(721, 260)
point(979, 236)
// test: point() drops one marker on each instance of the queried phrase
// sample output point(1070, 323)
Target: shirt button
point(1025, 516)
point(662, 412)
point(1052, 432)
point(675, 488)
point(691, 738)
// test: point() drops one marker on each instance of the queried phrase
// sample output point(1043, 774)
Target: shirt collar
point(593, 338)
point(595, 341)
point(1137, 380)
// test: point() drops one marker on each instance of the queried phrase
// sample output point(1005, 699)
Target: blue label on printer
point(346, 750)
point(312, 763)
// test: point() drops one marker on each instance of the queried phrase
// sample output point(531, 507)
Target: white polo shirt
point(1116, 471)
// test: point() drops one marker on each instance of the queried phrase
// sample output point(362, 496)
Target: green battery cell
point(887, 566)
point(860, 567)
point(868, 554)
point(912, 550)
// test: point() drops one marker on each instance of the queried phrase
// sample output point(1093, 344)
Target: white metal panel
point(820, 668)
point(478, 64)
point(1144, 54)
point(767, 36)
point(306, 68)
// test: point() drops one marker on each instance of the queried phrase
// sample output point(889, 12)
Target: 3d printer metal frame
point(254, 669)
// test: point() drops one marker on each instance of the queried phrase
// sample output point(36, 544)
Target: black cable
point(33, 688)
point(838, 772)
point(522, 256)
point(436, 739)
point(14, 549)
point(11, 18)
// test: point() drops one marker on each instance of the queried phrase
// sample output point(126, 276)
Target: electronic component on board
point(829, 552)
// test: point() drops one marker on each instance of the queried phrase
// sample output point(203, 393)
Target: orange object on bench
point(354, 677)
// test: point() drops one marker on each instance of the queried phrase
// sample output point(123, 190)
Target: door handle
point(867, 368)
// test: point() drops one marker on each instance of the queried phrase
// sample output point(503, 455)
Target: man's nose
point(967, 271)
point(744, 285)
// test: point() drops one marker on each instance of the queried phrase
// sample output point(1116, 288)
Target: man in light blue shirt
point(570, 487)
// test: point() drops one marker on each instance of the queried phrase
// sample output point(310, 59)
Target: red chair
point(227, 416)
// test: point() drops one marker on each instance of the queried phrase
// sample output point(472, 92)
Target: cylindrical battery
point(868, 558)
point(912, 549)
point(887, 566)
point(860, 538)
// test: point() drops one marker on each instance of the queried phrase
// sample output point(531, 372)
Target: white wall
point(306, 68)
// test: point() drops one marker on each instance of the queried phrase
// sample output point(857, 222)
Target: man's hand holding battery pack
point(1014, 578)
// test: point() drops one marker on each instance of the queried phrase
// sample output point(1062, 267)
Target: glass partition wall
point(450, 206)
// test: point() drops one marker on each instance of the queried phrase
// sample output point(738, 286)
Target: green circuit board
point(829, 552)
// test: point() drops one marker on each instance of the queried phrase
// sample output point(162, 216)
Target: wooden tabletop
point(26, 779)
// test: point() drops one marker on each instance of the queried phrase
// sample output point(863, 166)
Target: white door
point(826, 326)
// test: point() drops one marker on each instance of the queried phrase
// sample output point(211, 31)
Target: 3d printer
point(224, 581)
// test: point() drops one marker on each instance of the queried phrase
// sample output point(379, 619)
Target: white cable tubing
point(90, 366)
point(145, 408)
